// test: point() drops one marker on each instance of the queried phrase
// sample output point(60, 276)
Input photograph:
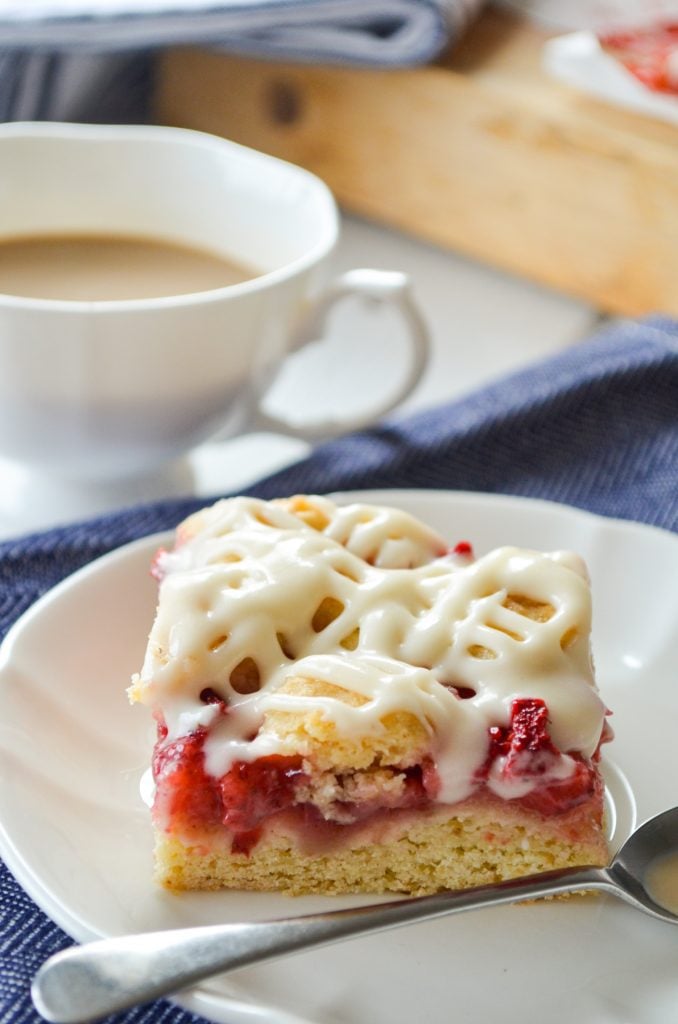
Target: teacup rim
point(278, 275)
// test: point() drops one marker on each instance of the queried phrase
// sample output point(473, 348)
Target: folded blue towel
point(595, 427)
point(46, 45)
point(381, 31)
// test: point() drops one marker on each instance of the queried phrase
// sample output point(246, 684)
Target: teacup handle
point(383, 286)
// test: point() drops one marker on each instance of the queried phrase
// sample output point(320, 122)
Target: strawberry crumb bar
point(345, 703)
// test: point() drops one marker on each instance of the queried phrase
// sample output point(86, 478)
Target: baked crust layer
point(478, 844)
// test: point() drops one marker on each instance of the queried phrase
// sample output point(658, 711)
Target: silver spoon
point(88, 982)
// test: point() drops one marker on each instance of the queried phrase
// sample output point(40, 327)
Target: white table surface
point(484, 324)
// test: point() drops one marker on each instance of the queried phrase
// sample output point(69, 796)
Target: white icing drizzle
point(248, 584)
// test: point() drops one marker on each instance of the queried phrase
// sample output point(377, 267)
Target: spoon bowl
point(631, 870)
point(86, 983)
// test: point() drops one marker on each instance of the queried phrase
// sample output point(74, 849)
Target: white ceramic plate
point(75, 833)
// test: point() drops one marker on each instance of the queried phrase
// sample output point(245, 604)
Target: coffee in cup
point(155, 279)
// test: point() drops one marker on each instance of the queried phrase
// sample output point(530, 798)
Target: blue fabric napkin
point(44, 44)
point(381, 31)
point(595, 427)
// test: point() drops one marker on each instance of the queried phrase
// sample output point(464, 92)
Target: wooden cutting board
point(482, 153)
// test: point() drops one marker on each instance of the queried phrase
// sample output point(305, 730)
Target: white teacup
point(105, 389)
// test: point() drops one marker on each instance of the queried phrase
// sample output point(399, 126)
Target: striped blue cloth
point(47, 70)
point(595, 427)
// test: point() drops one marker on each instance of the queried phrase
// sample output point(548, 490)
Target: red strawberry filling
point(189, 800)
point(650, 55)
point(253, 791)
point(525, 743)
point(581, 786)
point(186, 795)
point(528, 752)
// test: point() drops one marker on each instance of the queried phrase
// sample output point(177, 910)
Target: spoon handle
point(85, 983)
